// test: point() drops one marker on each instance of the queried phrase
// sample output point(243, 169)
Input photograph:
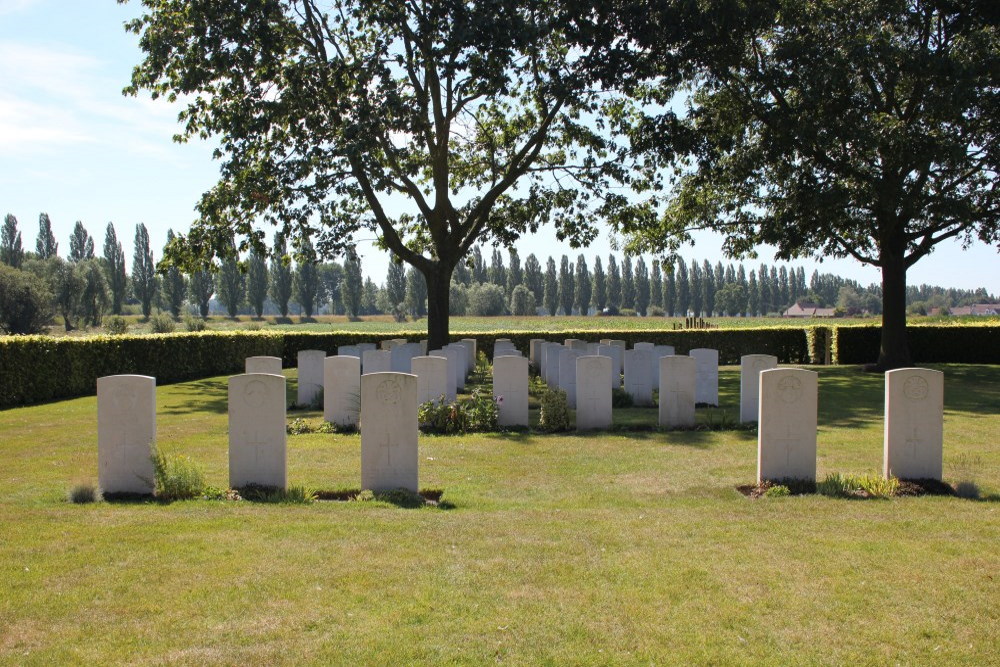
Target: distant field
point(384, 324)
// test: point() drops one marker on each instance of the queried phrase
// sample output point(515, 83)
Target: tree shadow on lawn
point(199, 396)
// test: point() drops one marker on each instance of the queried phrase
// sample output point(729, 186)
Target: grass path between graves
point(618, 548)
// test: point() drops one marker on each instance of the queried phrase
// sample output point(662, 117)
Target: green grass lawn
point(620, 548)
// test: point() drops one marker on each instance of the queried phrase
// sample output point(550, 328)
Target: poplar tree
point(533, 277)
point(114, 266)
point(306, 282)
point(174, 285)
point(11, 250)
point(45, 244)
point(628, 284)
point(642, 288)
point(583, 286)
point(614, 284)
point(281, 275)
point(551, 287)
point(600, 286)
point(257, 282)
point(81, 245)
point(143, 271)
point(566, 285)
point(352, 287)
point(656, 285)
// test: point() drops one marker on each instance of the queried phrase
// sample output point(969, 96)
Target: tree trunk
point(894, 351)
point(438, 294)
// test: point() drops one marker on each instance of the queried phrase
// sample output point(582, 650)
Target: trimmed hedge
point(787, 343)
point(929, 344)
point(40, 368)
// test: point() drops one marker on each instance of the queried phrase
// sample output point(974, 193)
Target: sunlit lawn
point(627, 547)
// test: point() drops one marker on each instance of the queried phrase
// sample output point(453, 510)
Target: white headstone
point(617, 355)
point(364, 347)
point(388, 345)
point(593, 349)
point(707, 381)
point(470, 343)
point(257, 440)
point(662, 351)
point(461, 362)
point(567, 374)
point(269, 365)
point(456, 365)
point(535, 351)
point(389, 432)
point(504, 348)
point(349, 351)
point(423, 347)
point(786, 432)
point(376, 361)
point(451, 372)
point(677, 387)
point(576, 344)
point(644, 346)
point(593, 393)
point(618, 343)
point(342, 389)
point(750, 367)
point(402, 355)
point(638, 375)
point(126, 433)
point(510, 390)
point(432, 379)
point(550, 372)
point(914, 424)
point(310, 364)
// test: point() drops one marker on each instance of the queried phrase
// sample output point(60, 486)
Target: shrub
point(621, 398)
point(161, 324)
point(486, 300)
point(116, 325)
point(195, 323)
point(777, 491)
point(522, 301)
point(477, 415)
point(25, 302)
point(627, 312)
point(176, 477)
point(655, 311)
point(955, 344)
point(874, 486)
point(85, 492)
point(554, 413)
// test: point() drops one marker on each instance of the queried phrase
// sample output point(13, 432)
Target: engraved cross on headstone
point(258, 444)
point(388, 445)
point(913, 443)
point(788, 442)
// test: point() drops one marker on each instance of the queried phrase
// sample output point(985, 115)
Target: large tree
point(257, 282)
point(865, 128)
point(281, 275)
point(487, 119)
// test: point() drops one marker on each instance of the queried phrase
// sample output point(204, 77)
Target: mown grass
point(616, 548)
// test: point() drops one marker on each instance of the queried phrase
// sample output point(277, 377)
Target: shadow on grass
point(123, 498)
point(203, 396)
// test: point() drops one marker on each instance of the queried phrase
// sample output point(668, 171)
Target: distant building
point(807, 309)
point(981, 309)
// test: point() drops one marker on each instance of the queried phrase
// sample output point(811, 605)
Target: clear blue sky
point(71, 145)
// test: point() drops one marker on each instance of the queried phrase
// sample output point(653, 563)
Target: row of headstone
point(913, 438)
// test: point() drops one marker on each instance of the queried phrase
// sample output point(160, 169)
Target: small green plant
point(554, 411)
point(621, 398)
point(836, 485)
point(85, 492)
point(293, 495)
point(299, 426)
point(777, 491)
point(877, 486)
point(116, 325)
point(397, 497)
point(215, 493)
point(161, 323)
point(194, 323)
point(253, 326)
point(176, 477)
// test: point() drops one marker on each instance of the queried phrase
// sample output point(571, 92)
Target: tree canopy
point(435, 125)
point(866, 129)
